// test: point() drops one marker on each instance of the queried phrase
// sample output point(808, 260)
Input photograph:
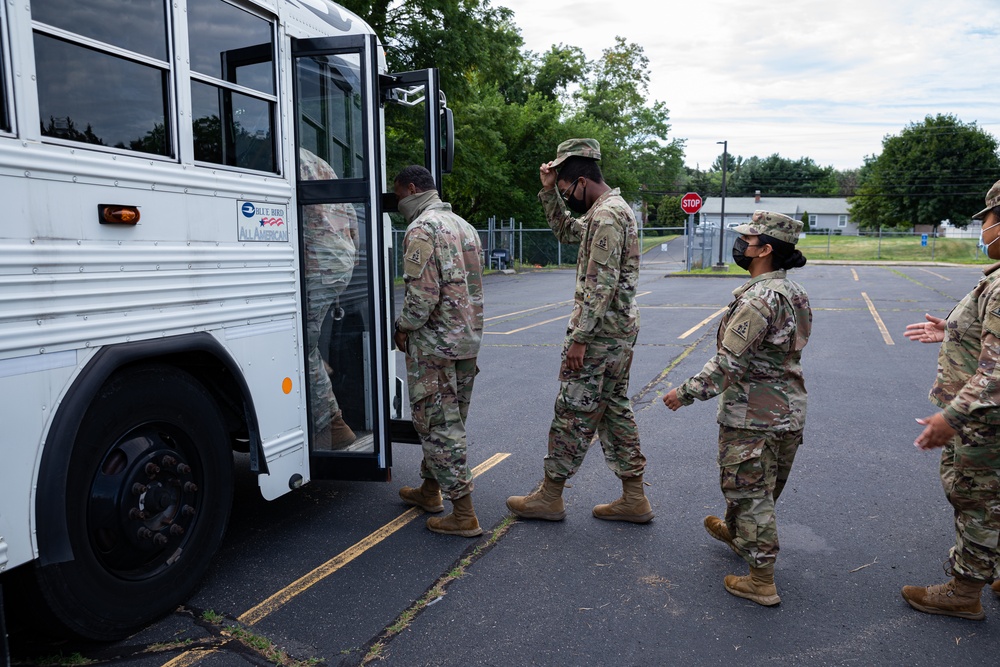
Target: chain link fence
point(507, 246)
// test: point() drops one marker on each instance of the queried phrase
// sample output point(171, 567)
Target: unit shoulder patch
point(603, 245)
point(745, 327)
point(992, 321)
point(415, 257)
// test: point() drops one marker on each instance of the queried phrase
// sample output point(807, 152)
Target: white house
point(825, 213)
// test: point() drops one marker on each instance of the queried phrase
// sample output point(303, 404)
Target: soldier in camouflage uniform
point(330, 234)
point(597, 353)
point(967, 389)
point(440, 329)
point(757, 375)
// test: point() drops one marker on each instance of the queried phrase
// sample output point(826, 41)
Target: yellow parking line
point(189, 657)
point(530, 326)
point(936, 275)
point(878, 320)
point(855, 274)
point(521, 312)
point(702, 323)
point(279, 599)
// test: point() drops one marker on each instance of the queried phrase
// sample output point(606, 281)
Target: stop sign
point(691, 203)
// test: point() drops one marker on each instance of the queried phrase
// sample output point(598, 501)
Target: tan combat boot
point(757, 586)
point(718, 529)
point(958, 597)
point(341, 434)
point(545, 503)
point(462, 521)
point(632, 506)
point(995, 587)
point(427, 497)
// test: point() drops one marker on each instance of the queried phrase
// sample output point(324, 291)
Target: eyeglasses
point(569, 191)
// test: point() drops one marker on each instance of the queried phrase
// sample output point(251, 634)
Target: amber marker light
point(117, 214)
point(286, 385)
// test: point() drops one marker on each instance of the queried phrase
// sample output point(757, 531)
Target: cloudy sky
point(825, 79)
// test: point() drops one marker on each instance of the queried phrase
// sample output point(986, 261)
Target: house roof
point(790, 206)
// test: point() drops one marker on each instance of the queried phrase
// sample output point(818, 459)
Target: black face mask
point(578, 205)
point(739, 247)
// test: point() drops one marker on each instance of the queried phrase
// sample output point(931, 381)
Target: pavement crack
point(375, 649)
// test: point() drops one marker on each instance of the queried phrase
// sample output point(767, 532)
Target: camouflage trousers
point(753, 469)
point(440, 391)
point(322, 401)
point(594, 401)
point(970, 474)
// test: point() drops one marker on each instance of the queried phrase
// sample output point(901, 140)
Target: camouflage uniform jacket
point(442, 268)
point(607, 266)
point(967, 386)
point(330, 231)
point(757, 369)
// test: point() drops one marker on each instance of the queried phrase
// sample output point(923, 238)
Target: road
point(863, 514)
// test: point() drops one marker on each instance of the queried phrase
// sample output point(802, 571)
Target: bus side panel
point(31, 387)
point(268, 355)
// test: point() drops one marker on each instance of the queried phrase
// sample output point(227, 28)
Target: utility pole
point(722, 219)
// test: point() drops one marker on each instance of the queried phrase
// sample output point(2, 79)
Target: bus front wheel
point(148, 494)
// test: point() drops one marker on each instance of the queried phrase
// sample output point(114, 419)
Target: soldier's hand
point(671, 400)
point(931, 331)
point(547, 175)
point(399, 338)
point(936, 433)
point(574, 356)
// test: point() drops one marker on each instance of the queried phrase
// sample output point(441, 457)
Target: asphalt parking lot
point(863, 514)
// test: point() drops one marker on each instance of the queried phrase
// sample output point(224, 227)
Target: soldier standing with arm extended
point(440, 330)
point(967, 389)
point(597, 353)
point(757, 374)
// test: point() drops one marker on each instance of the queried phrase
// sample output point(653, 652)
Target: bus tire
point(148, 496)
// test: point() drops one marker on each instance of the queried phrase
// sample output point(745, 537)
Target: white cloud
point(826, 80)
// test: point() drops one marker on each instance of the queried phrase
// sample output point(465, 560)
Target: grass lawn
point(649, 242)
point(899, 248)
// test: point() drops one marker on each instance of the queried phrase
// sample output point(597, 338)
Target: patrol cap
point(588, 148)
point(992, 201)
point(777, 225)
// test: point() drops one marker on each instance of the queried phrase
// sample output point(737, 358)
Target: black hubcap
point(144, 501)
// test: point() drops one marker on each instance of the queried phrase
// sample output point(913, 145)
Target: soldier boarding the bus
point(440, 330)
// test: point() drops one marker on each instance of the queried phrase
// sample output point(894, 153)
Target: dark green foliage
point(938, 169)
point(512, 107)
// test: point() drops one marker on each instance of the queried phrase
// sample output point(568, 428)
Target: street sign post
point(691, 203)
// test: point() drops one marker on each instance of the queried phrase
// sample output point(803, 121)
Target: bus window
point(330, 111)
point(109, 87)
point(232, 86)
point(335, 237)
point(335, 243)
point(4, 99)
point(141, 29)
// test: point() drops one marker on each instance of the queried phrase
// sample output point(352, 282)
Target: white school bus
point(172, 173)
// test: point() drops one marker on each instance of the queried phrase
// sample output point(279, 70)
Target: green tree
point(778, 176)
point(932, 171)
point(558, 68)
point(805, 221)
point(458, 37)
point(669, 213)
point(637, 154)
